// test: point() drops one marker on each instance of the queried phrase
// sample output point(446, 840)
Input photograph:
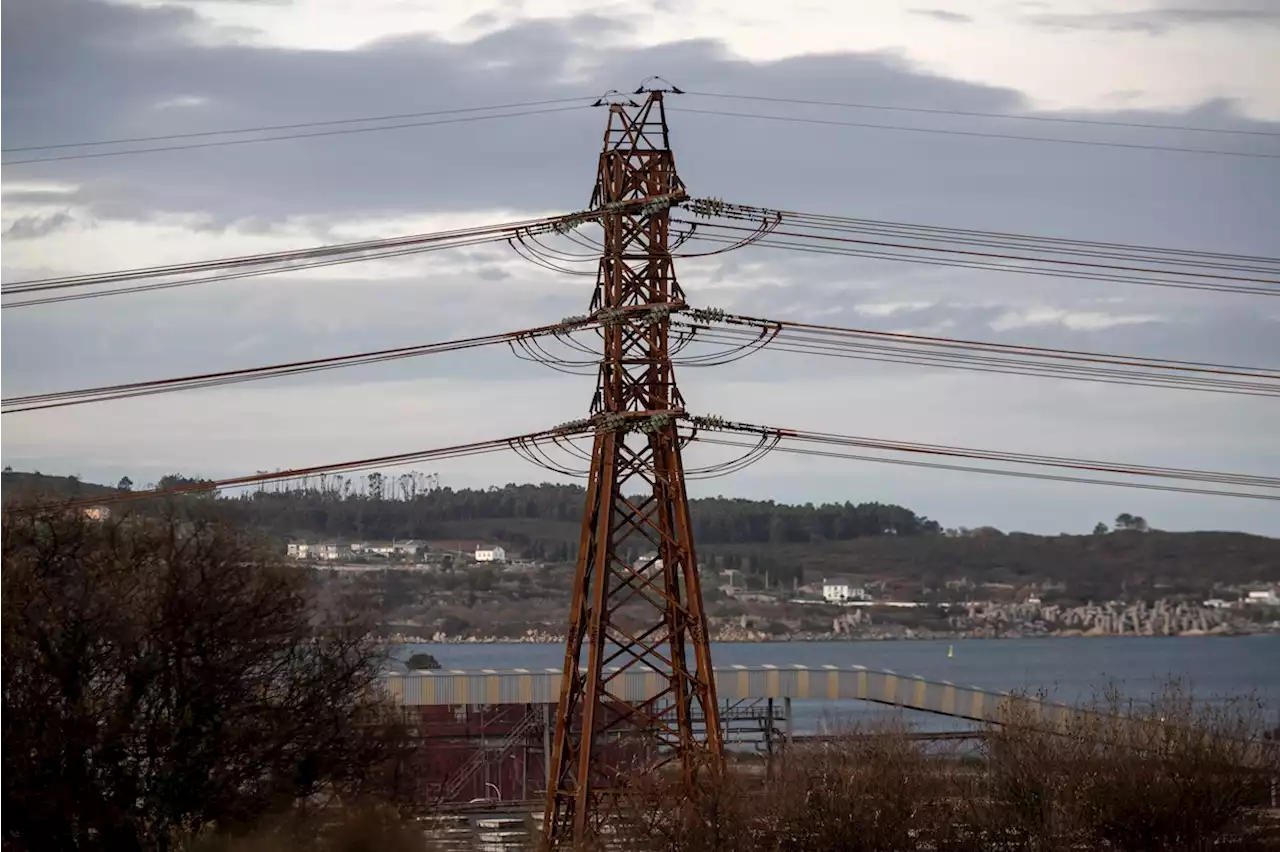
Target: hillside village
point(463, 590)
point(497, 564)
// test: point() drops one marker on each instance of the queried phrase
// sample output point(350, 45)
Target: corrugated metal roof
point(736, 683)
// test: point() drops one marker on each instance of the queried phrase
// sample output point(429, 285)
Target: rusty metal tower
point(636, 598)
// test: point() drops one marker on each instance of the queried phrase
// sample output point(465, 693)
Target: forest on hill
point(770, 542)
point(543, 522)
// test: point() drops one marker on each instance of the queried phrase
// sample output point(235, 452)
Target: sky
point(78, 70)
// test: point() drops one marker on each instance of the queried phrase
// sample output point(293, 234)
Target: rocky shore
point(747, 635)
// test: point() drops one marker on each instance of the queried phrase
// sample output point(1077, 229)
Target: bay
point(1067, 669)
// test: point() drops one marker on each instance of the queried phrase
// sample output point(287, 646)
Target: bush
point(358, 829)
point(1177, 775)
point(166, 674)
point(422, 662)
point(866, 791)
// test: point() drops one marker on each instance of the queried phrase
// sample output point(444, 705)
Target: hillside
point(769, 542)
point(20, 485)
point(1085, 567)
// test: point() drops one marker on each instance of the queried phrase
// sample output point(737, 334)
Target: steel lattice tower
point(636, 599)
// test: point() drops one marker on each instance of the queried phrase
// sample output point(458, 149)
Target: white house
point(411, 547)
point(331, 552)
point(328, 552)
point(649, 565)
point(490, 554)
point(1265, 597)
point(839, 591)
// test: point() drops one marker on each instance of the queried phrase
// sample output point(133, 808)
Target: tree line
point(430, 514)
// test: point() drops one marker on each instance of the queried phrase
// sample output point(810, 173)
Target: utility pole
point(644, 612)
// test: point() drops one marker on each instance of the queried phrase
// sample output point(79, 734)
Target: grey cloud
point(86, 58)
point(1155, 21)
point(31, 227)
point(482, 19)
point(42, 197)
point(944, 15)
point(591, 25)
point(529, 162)
point(492, 273)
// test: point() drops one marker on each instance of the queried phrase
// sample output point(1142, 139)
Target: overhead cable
point(311, 252)
point(297, 126)
point(211, 486)
point(1003, 239)
point(955, 263)
point(1005, 456)
point(1021, 474)
point(221, 143)
point(60, 399)
point(898, 354)
point(978, 134)
point(1055, 119)
point(716, 327)
point(1004, 257)
point(298, 259)
point(422, 248)
point(798, 239)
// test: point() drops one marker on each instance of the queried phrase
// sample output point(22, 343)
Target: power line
point(957, 263)
point(1021, 474)
point(1187, 258)
point(298, 126)
point(292, 260)
point(1004, 367)
point(1173, 268)
point(1038, 351)
point(1013, 457)
point(253, 273)
point(1201, 269)
point(138, 273)
point(342, 132)
point(767, 219)
point(977, 134)
point(801, 338)
point(714, 207)
point(733, 329)
point(60, 399)
point(973, 114)
point(705, 424)
point(1128, 469)
point(881, 244)
point(457, 451)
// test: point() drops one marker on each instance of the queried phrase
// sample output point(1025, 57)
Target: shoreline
point(404, 639)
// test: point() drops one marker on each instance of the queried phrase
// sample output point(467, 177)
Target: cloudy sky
point(76, 70)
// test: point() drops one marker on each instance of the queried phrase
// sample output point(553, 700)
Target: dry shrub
point(864, 791)
point(359, 829)
point(720, 816)
point(1175, 776)
point(875, 791)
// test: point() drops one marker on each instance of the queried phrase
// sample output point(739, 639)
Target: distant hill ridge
point(786, 543)
point(40, 485)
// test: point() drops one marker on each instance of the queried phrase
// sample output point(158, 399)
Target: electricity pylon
point(636, 598)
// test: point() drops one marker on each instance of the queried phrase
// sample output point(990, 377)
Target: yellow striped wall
point(737, 683)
